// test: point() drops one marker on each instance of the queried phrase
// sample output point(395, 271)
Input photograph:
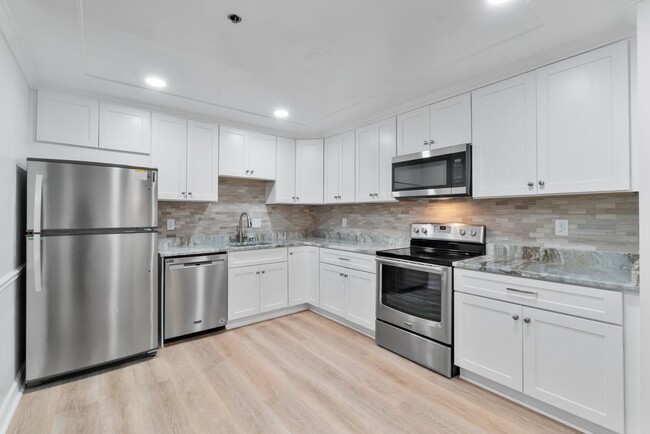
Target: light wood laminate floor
point(300, 373)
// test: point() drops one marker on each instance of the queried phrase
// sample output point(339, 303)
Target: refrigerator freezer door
point(82, 196)
point(98, 303)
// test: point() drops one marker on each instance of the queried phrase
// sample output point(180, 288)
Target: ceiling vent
point(234, 18)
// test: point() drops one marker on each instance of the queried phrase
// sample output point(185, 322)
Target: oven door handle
point(414, 266)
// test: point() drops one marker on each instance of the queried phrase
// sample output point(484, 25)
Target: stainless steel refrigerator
point(92, 294)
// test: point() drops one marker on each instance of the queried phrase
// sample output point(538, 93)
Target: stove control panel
point(448, 232)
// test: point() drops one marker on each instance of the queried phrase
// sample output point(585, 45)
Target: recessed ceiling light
point(155, 82)
point(280, 113)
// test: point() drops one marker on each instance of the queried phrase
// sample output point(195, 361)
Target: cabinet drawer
point(257, 257)
point(580, 301)
point(356, 261)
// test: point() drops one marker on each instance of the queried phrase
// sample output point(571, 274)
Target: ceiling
point(368, 57)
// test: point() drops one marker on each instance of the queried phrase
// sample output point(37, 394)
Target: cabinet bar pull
point(522, 291)
point(345, 259)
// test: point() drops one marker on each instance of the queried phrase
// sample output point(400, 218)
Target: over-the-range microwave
point(439, 172)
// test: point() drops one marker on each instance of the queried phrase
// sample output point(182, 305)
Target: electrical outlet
point(562, 228)
point(171, 224)
point(257, 223)
point(344, 222)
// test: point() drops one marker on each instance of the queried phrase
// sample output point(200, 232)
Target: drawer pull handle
point(522, 291)
point(406, 323)
point(345, 259)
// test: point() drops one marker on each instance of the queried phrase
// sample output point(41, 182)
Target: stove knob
point(473, 233)
point(424, 231)
point(462, 232)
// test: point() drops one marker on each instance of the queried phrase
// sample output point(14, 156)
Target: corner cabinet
point(245, 154)
point(339, 168)
point(283, 189)
point(566, 358)
point(186, 155)
point(445, 123)
point(304, 282)
point(561, 129)
point(375, 149)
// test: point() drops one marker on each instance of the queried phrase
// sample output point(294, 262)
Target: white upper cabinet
point(445, 123)
point(234, 145)
point(283, 190)
point(262, 159)
point(186, 155)
point(505, 142)
point(451, 122)
point(339, 168)
point(67, 119)
point(375, 149)
point(125, 129)
point(169, 155)
point(413, 131)
point(202, 161)
point(583, 123)
point(309, 171)
point(243, 154)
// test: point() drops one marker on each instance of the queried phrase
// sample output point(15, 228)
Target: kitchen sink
point(251, 244)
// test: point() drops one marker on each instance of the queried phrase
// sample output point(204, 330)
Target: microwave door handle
point(38, 203)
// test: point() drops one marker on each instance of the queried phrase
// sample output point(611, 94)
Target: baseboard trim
point(11, 400)
point(342, 321)
point(7, 280)
point(265, 316)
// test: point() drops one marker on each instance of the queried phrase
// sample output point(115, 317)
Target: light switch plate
point(344, 222)
point(562, 228)
point(171, 224)
point(257, 223)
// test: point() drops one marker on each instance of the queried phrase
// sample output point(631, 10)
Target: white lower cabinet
point(257, 282)
point(573, 364)
point(303, 276)
point(348, 293)
point(273, 286)
point(488, 339)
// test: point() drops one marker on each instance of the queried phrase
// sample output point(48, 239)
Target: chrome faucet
point(241, 234)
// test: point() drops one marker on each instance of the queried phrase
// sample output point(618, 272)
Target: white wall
point(14, 137)
point(643, 32)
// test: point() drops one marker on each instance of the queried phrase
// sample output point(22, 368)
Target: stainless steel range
point(415, 292)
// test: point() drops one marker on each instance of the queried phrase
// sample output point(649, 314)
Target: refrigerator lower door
point(98, 301)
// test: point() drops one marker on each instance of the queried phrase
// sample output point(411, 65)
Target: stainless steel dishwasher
point(196, 294)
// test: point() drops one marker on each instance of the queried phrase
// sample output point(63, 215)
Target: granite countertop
point(603, 270)
point(166, 250)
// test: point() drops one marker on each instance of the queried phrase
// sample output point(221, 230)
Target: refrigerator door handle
point(38, 202)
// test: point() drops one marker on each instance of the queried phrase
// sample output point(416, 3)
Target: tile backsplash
point(606, 222)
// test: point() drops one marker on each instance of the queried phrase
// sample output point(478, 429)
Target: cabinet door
point(487, 339)
point(576, 365)
point(332, 175)
point(312, 294)
point(124, 128)
point(309, 171)
point(366, 163)
point(169, 155)
point(361, 297)
point(298, 275)
point(243, 292)
point(385, 154)
point(451, 121)
point(263, 156)
point(583, 123)
point(202, 161)
point(68, 119)
point(273, 286)
point(283, 190)
point(413, 131)
point(332, 289)
point(347, 168)
point(505, 138)
point(233, 152)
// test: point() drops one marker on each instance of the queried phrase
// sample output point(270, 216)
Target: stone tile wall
point(235, 196)
point(606, 222)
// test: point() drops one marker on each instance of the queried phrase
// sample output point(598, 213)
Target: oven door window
point(430, 173)
point(413, 292)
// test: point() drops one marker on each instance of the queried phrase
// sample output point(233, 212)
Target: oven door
point(439, 172)
point(415, 297)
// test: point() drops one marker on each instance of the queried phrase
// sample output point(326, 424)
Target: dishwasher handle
point(197, 264)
